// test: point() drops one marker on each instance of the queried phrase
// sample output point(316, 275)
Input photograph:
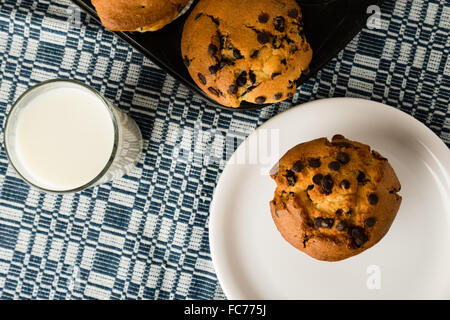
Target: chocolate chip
point(263, 18)
point(278, 96)
point(291, 178)
point(260, 100)
point(328, 222)
point(291, 84)
point(279, 23)
point(318, 222)
point(297, 167)
point(277, 43)
point(359, 236)
point(212, 49)
point(373, 199)
point(314, 162)
point(275, 74)
point(214, 91)
point(327, 184)
point(293, 50)
point(310, 187)
point(378, 156)
point(233, 89)
point(225, 62)
point(317, 179)
point(349, 231)
point(308, 196)
point(263, 37)
point(214, 20)
point(254, 54)
point(342, 144)
point(222, 64)
point(370, 222)
point(242, 79)
point(202, 78)
point(293, 13)
point(237, 54)
point(334, 165)
point(339, 212)
point(305, 240)
point(357, 232)
point(323, 222)
point(350, 211)
point(343, 157)
point(361, 176)
point(283, 61)
point(213, 69)
point(338, 137)
point(341, 226)
point(345, 184)
point(252, 76)
point(249, 89)
point(186, 61)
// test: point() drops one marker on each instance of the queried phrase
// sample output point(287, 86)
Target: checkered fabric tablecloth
point(146, 235)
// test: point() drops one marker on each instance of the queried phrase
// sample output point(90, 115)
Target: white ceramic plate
point(412, 261)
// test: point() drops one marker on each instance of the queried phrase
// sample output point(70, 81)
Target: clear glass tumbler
point(125, 137)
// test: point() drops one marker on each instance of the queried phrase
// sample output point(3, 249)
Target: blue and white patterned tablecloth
point(146, 235)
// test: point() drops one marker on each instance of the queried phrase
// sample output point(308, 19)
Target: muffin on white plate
point(334, 199)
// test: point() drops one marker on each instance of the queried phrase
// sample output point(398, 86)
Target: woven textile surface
point(145, 236)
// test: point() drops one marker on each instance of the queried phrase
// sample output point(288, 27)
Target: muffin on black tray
point(251, 50)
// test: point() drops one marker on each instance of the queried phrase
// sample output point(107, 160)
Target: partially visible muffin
point(138, 15)
point(334, 199)
point(252, 50)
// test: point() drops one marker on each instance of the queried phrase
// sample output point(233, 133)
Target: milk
point(64, 138)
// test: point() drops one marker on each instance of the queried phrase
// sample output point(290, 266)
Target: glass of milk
point(62, 136)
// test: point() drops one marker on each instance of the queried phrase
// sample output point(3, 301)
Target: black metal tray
point(329, 26)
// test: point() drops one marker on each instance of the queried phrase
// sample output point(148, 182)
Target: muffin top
point(251, 50)
point(134, 15)
point(334, 199)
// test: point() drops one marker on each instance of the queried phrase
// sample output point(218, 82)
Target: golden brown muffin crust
point(334, 199)
point(138, 15)
point(251, 50)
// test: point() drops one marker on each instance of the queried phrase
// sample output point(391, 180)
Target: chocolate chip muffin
point(252, 50)
point(334, 199)
point(141, 15)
